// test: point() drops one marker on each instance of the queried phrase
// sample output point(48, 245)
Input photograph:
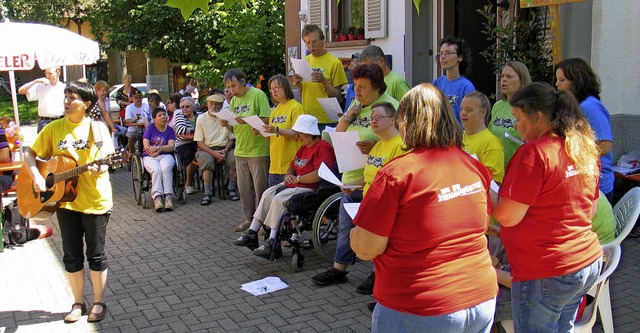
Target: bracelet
point(277, 131)
point(298, 176)
point(347, 119)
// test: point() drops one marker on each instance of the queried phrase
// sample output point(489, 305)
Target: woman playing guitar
point(85, 218)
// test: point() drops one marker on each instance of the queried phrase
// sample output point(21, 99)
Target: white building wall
point(393, 44)
point(615, 53)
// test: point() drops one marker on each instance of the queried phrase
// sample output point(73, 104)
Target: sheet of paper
point(325, 173)
point(348, 155)
point(258, 124)
point(352, 208)
point(225, 114)
point(331, 107)
point(513, 138)
point(302, 68)
point(264, 286)
point(495, 187)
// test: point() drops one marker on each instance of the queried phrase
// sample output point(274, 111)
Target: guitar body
point(41, 205)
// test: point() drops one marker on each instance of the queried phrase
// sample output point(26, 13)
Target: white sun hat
point(307, 124)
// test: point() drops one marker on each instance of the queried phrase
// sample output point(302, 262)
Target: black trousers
point(76, 228)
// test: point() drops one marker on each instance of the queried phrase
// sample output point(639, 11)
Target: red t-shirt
point(308, 159)
point(433, 205)
point(554, 238)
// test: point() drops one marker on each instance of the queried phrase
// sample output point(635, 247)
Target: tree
point(50, 12)
point(251, 38)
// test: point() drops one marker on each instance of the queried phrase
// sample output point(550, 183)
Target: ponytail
point(567, 122)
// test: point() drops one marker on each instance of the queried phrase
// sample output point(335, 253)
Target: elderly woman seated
point(301, 176)
point(158, 142)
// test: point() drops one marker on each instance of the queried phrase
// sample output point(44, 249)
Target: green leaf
point(416, 3)
point(188, 6)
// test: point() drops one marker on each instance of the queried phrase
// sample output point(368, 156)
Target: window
point(367, 17)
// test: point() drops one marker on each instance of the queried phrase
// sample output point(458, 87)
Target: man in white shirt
point(135, 114)
point(49, 92)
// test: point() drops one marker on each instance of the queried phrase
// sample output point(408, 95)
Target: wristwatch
point(298, 177)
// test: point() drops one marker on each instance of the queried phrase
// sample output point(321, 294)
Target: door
point(421, 53)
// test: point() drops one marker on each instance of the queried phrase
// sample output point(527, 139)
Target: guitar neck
point(73, 172)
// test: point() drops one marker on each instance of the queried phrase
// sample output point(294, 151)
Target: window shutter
point(317, 13)
point(375, 18)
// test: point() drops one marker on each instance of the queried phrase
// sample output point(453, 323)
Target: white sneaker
point(157, 203)
point(168, 203)
point(189, 189)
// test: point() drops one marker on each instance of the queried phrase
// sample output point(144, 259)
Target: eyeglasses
point(275, 89)
point(378, 118)
point(445, 54)
point(185, 106)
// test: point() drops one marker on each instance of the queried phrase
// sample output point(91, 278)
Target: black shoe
point(330, 276)
point(264, 250)
point(366, 288)
point(249, 238)
point(371, 305)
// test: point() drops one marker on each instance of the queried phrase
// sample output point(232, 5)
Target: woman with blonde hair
point(545, 206)
point(514, 76)
point(433, 271)
point(101, 112)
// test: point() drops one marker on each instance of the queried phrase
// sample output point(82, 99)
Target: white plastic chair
point(626, 212)
point(612, 254)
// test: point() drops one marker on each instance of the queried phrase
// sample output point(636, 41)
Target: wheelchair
point(141, 179)
point(314, 212)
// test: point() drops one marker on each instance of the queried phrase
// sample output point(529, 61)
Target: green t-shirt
point(396, 85)
point(362, 125)
point(604, 222)
point(502, 121)
point(253, 102)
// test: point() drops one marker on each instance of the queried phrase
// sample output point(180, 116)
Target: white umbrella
point(24, 44)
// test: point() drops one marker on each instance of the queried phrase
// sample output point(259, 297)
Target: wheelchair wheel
point(137, 178)
point(325, 227)
point(297, 261)
point(179, 180)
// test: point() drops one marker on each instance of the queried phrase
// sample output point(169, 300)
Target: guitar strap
point(97, 136)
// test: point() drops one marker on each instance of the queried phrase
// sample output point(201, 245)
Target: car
point(113, 103)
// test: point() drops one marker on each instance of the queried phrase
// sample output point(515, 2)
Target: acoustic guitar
point(61, 178)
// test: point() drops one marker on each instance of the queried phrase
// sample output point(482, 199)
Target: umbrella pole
point(14, 100)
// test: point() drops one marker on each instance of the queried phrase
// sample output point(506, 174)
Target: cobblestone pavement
point(178, 272)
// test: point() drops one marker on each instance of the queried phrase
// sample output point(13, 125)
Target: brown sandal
point(96, 317)
point(72, 317)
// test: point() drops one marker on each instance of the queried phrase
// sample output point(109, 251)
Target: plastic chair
point(612, 254)
point(626, 212)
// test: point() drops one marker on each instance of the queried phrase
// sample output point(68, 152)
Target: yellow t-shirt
point(283, 150)
point(489, 150)
point(381, 153)
point(64, 138)
point(396, 85)
point(253, 102)
point(362, 125)
point(332, 69)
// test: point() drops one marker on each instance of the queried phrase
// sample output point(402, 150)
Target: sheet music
point(331, 107)
point(348, 155)
point(258, 124)
point(302, 68)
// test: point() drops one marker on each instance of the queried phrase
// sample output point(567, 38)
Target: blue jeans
point(344, 254)
point(551, 304)
point(477, 318)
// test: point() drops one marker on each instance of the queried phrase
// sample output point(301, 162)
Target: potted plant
point(352, 33)
point(344, 36)
point(335, 34)
point(360, 33)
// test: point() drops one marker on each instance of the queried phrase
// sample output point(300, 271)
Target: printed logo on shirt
point(78, 144)
point(300, 163)
point(504, 122)
point(453, 100)
point(279, 120)
point(571, 171)
point(362, 122)
point(458, 190)
point(318, 70)
point(157, 141)
point(377, 162)
point(241, 109)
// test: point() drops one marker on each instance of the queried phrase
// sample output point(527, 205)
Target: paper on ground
point(325, 173)
point(331, 107)
point(258, 124)
point(225, 114)
point(302, 68)
point(264, 286)
point(352, 208)
point(348, 154)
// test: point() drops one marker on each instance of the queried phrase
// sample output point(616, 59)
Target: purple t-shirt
point(157, 138)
